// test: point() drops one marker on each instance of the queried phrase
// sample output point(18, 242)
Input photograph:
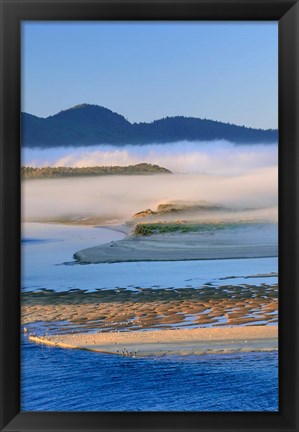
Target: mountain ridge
point(88, 125)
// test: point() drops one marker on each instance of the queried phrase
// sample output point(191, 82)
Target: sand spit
point(222, 244)
point(168, 342)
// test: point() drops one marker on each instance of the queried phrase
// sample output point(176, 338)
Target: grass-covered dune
point(148, 229)
point(54, 172)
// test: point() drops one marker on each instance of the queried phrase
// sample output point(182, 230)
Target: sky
point(225, 71)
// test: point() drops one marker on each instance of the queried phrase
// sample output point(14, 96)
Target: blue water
point(65, 380)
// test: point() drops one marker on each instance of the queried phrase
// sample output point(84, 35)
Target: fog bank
point(214, 157)
point(119, 197)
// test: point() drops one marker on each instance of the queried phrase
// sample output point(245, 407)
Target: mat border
point(286, 12)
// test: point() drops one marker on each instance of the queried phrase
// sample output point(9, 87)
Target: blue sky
point(222, 71)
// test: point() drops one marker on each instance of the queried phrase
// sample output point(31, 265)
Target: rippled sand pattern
point(121, 309)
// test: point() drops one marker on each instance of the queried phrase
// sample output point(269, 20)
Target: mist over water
point(214, 157)
point(121, 196)
point(235, 176)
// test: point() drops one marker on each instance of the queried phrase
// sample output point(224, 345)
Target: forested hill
point(87, 125)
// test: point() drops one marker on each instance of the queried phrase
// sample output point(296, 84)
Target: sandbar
point(225, 244)
point(196, 341)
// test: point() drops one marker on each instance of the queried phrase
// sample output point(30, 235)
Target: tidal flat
point(121, 309)
point(155, 312)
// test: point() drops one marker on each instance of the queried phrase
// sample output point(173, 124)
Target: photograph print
point(149, 182)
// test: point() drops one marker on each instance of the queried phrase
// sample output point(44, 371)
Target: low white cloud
point(119, 197)
point(217, 157)
point(235, 176)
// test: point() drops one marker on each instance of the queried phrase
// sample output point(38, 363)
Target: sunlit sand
point(165, 342)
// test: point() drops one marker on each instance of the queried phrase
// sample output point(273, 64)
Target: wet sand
point(166, 342)
point(222, 244)
point(121, 309)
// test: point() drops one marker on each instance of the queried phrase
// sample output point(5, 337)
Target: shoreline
point(198, 341)
point(83, 260)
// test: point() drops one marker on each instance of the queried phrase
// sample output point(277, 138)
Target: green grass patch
point(148, 229)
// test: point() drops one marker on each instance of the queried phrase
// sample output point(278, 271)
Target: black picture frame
point(286, 12)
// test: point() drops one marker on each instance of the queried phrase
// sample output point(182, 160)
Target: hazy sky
point(145, 71)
